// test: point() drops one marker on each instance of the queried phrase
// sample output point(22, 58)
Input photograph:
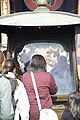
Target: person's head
point(9, 64)
point(37, 63)
point(74, 104)
point(62, 61)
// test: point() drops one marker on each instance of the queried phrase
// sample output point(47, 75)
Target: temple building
point(12, 6)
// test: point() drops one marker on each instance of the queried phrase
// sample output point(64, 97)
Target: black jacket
point(68, 116)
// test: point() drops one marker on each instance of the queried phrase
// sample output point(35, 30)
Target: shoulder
point(46, 76)
point(67, 115)
point(21, 85)
point(45, 73)
point(26, 74)
point(4, 81)
point(38, 75)
point(5, 87)
point(49, 75)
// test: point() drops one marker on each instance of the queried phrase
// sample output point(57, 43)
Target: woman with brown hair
point(45, 85)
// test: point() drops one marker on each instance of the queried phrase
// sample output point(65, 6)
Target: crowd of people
point(17, 95)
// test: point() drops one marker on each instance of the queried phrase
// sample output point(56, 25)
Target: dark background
point(67, 6)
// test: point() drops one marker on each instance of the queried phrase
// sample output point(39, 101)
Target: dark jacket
point(67, 115)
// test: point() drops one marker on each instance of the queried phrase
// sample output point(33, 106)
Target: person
point(6, 106)
point(17, 70)
point(62, 74)
point(20, 95)
point(62, 68)
point(45, 84)
point(72, 112)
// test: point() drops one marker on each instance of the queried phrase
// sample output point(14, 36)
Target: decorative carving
point(41, 2)
point(51, 4)
point(4, 7)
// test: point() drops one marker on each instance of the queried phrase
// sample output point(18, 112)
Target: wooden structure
point(46, 26)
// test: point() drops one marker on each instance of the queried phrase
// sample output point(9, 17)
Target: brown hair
point(10, 64)
point(9, 67)
point(37, 63)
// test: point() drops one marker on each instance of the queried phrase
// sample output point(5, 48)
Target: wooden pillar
point(78, 47)
point(79, 15)
point(79, 7)
point(5, 10)
point(5, 7)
